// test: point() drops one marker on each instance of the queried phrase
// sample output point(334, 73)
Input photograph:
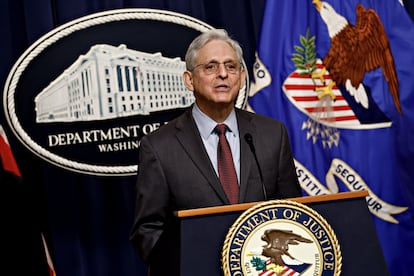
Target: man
point(178, 167)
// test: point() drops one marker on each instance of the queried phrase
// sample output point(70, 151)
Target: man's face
point(215, 89)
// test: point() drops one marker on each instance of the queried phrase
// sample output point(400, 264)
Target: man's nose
point(222, 71)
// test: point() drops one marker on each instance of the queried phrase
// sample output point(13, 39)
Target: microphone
point(249, 140)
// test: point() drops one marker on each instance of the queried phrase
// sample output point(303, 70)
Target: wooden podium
point(192, 245)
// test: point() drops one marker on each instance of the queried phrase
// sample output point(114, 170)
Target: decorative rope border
point(63, 31)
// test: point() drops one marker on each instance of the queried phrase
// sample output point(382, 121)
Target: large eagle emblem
point(279, 261)
point(357, 49)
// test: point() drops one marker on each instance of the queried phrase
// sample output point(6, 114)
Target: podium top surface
point(245, 206)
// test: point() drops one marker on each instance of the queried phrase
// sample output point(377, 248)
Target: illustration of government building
point(110, 82)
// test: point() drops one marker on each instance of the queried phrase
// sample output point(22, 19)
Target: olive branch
point(305, 56)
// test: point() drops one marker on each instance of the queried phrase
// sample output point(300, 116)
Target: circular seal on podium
point(281, 237)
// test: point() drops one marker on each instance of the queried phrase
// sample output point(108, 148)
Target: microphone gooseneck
point(249, 140)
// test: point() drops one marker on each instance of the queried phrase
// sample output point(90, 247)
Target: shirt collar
point(206, 125)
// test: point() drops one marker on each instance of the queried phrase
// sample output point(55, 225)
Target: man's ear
point(188, 80)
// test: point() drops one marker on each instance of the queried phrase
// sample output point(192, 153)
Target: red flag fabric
point(6, 155)
point(49, 259)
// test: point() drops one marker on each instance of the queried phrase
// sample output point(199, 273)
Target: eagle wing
point(372, 50)
point(361, 48)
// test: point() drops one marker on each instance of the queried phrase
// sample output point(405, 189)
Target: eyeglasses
point(213, 67)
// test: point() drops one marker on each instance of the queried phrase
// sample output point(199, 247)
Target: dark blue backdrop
point(86, 219)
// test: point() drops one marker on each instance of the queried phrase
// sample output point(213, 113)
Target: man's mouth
point(222, 87)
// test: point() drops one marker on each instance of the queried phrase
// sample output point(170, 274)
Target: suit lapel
point(190, 140)
point(245, 126)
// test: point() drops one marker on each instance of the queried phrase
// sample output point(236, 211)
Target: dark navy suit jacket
point(175, 172)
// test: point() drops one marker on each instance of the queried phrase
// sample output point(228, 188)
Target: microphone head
point(248, 137)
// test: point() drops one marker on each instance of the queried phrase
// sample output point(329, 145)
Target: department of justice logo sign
point(83, 95)
point(281, 237)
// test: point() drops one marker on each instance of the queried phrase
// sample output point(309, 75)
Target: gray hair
point(204, 38)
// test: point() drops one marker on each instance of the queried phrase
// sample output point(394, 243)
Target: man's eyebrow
point(215, 60)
